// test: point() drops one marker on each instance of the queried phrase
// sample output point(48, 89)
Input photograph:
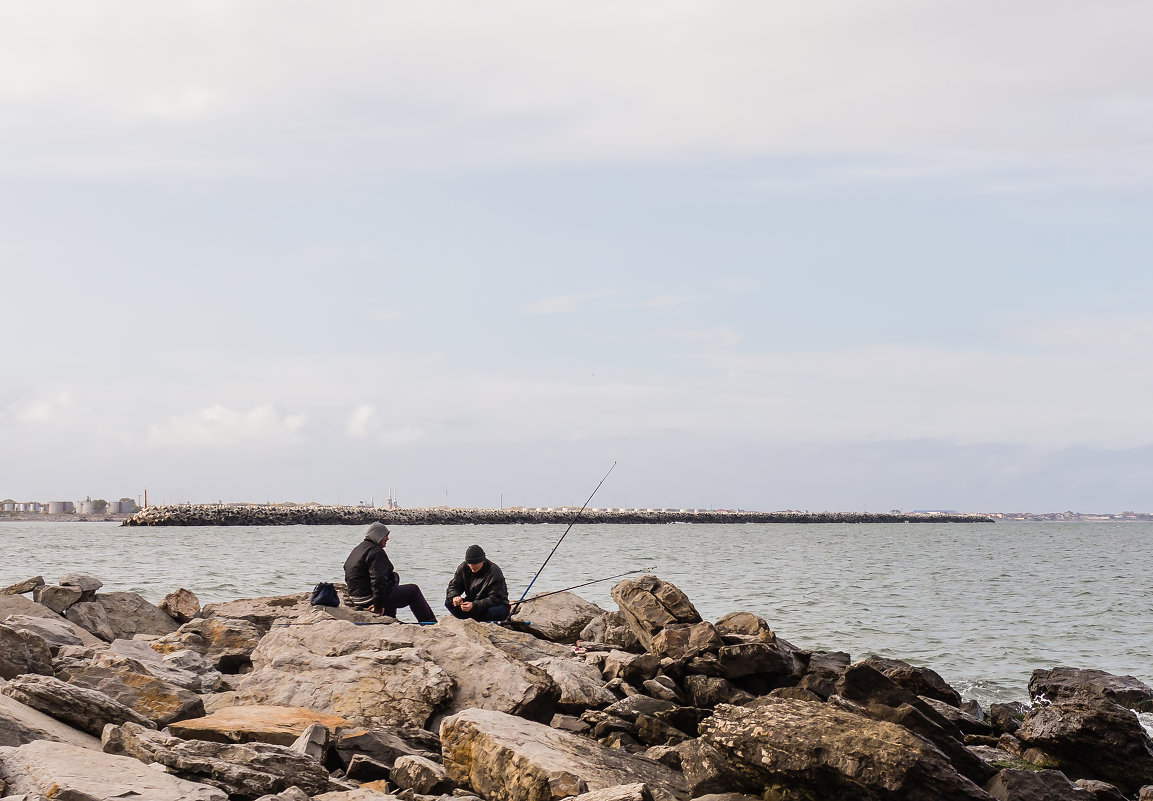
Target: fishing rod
point(562, 536)
point(585, 584)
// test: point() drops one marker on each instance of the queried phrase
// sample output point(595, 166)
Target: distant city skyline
point(776, 255)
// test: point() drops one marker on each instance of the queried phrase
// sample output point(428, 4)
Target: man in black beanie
point(373, 583)
point(478, 589)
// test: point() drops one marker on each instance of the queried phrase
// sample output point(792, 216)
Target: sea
point(982, 604)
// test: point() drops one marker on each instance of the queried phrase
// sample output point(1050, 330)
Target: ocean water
point(982, 604)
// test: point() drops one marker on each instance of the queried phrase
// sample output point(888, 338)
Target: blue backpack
point(324, 594)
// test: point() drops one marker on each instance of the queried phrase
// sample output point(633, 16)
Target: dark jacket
point(369, 575)
point(486, 587)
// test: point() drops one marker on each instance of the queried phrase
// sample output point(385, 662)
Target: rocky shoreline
point(105, 695)
point(289, 515)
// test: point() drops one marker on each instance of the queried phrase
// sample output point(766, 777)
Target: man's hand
point(456, 599)
point(466, 606)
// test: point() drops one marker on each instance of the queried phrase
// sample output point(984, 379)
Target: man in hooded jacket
point(478, 589)
point(373, 583)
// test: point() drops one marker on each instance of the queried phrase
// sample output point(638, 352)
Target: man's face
point(475, 566)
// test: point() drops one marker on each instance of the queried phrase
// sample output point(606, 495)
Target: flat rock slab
point(129, 614)
point(87, 710)
point(46, 770)
point(1064, 683)
point(279, 725)
point(56, 631)
point(155, 699)
point(20, 724)
point(506, 758)
point(22, 605)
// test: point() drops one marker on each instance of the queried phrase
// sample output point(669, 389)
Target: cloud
point(1116, 334)
point(949, 85)
point(218, 425)
point(562, 304)
point(53, 410)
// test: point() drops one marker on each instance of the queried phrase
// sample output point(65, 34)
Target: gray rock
point(648, 604)
point(181, 605)
point(745, 624)
point(1092, 738)
point(139, 656)
point(827, 752)
point(633, 668)
point(85, 583)
point(581, 684)
point(127, 683)
point(1062, 683)
point(21, 724)
point(420, 775)
point(291, 794)
point(968, 724)
point(55, 631)
point(20, 587)
point(632, 707)
point(243, 770)
point(21, 605)
point(560, 617)
point(506, 758)
point(56, 598)
point(87, 710)
point(382, 745)
point(708, 691)
point(90, 615)
point(612, 630)
point(756, 658)
point(313, 742)
point(366, 769)
point(1034, 785)
point(48, 770)
point(823, 671)
point(129, 614)
point(1006, 718)
point(708, 771)
point(664, 688)
point(21, 652)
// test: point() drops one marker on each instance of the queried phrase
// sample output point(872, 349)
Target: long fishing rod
point(585, 584)
point(562, 536)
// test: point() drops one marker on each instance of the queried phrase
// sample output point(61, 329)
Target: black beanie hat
point(474, 554)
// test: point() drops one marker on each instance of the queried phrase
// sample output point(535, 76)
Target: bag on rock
point(324, 594)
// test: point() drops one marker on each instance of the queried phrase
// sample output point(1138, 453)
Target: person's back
point(373, 583)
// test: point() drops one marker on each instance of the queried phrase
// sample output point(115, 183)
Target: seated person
point(477, 589)
point(372, 582)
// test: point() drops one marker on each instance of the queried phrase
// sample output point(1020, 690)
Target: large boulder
point(186, 669)
point(21, 724)
point(20, 605)
point(84, 582)
point(580, 683)
point(823, 671)
point(917, 680)
point(506, 758)
point(85, 709)
point(92, 617)
point(807, 747)
point(45, 770)
point(686, 640)
point(648, 604)
point(371, 675)
point(181, 605)
point(745, 624)
point(262, 611)
point(155, 699)
point(57, 598)
point(55, 631)
point(421, 775)
point(1092, 738)
point(128, 614)
point(559, 617)
point(260, 723)
point(1063, 683)
point(244, 771)
point(22, 652)
point(613, 630)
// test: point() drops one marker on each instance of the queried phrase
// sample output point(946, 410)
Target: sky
point(762, 255)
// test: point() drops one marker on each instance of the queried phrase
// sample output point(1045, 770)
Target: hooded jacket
point(486, 587)
point(369, 574)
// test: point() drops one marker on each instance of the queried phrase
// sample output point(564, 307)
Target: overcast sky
point(765, 255)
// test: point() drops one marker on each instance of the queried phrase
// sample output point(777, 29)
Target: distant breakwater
point(288, 515)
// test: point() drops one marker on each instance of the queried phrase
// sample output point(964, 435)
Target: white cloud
point(51, 410)
point(218, 425)
point(562, 304)
point(1111, 334)
point(362, 422)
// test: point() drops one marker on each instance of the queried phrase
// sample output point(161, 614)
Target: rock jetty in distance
point(104, 695)
point(310, 515)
